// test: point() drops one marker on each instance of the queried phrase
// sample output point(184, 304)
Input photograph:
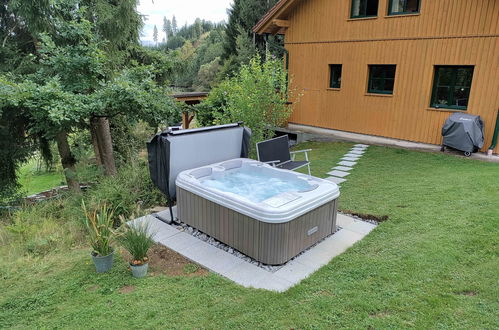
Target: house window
point(364, 8)
point(400, 7)
point(451, 87)
point(381, 79)
point(334, 75)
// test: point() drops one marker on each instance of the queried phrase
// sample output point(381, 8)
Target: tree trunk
point(105, 143)
point(95, 143)
point(68, 162)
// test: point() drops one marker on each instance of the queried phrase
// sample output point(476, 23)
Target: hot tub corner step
point(336, 179)
point(337, 173)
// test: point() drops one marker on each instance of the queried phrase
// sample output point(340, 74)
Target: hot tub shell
point(271, 235)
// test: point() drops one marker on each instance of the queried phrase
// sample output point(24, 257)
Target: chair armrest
point(272, 162)
point(305, 151)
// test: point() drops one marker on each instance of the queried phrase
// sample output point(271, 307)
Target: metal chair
point(276, 152)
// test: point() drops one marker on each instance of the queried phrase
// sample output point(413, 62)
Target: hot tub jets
point(267, 213)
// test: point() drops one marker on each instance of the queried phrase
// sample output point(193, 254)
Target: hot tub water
point(255, 184)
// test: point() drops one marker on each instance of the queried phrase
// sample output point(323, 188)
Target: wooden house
point(392, 68)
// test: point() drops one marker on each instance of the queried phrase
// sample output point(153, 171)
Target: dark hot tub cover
point(463, 132)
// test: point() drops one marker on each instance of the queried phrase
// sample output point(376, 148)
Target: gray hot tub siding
point(268, 243)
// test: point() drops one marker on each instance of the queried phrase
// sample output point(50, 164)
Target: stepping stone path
point(339, 172)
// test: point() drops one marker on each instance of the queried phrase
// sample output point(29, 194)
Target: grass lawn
point(33, 182)
point(433, 264)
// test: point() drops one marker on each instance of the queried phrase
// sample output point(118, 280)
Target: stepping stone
point(350, 159)
point(352, 155)
point(361, 145)
point(336, 180)
point(342, 168)
point(357, 152)
point(347, 163)
point(340, 174)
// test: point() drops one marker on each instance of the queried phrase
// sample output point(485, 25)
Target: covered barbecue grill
point(463, 132)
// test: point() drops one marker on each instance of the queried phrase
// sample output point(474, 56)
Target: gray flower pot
point(139, 271)
point(103, 264)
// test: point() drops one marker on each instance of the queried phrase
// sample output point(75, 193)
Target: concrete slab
point(344, 220)
point(249, 275)
point(352, 155)
point(347, 163)
point(360, 227)
point(350, 159)
point(358, 152)
point(314, 258)
point(361, 145)
point(179, 242)
point(339, 242)
point(273, 283)
point(336, 179)
point(342, 168)
point(340, 174)
point(294, 271)
point(246, 274)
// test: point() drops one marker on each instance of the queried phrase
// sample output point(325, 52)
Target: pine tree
point(174, 25)
point(167, 28)
point(243, 16)
point(155, 35)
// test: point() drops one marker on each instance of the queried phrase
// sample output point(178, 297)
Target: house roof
point(275, 20)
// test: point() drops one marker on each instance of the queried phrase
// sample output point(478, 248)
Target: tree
point(243, 16)
point(66, 52)
point(167, 28)
point(256, 95)
point(155, 35)
point(174, 25)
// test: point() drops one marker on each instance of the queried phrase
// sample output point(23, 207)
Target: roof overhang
point(276, 20)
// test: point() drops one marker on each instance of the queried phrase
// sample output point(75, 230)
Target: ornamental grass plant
point(99, 225)
point(137, 240)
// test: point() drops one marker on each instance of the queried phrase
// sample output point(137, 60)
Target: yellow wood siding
point(446, 32)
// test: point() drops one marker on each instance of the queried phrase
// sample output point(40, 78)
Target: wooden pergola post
point(189, 98)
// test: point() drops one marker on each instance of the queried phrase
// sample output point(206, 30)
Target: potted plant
point(99, 225)
point(137, 239)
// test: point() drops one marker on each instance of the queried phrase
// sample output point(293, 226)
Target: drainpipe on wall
point(494, 138)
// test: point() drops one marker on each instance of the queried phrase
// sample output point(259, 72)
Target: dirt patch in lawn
point(162, 260)
point(367, 216)
point(127, 289)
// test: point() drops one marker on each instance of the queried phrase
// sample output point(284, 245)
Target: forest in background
point(205, 53)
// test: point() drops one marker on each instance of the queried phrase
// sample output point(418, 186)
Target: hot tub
point(266, 213)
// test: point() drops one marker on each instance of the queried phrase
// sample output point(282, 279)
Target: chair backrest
point(274, 149)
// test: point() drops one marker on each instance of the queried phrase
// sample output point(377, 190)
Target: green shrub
point(257, 96)
point(57, 224)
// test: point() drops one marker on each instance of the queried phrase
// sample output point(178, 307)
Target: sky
point(185, 11)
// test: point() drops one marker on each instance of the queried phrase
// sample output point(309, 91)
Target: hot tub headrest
point(170, 153)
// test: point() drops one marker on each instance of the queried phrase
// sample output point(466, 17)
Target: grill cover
point(463, 132)
point(172, 152)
